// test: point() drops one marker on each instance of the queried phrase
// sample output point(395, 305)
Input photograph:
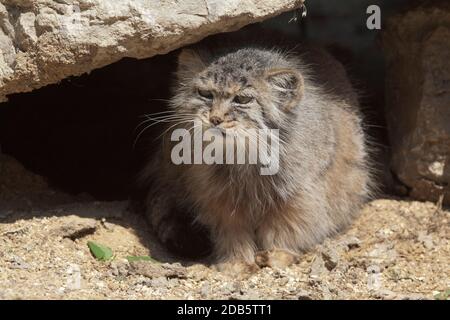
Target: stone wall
point(417, 50)
point(44, 41)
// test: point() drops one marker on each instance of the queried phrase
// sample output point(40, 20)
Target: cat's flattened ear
point(288, 85)
point(189, 61)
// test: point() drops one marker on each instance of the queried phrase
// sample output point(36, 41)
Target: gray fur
point(324, 175)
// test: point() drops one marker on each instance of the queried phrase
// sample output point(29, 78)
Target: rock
point(304, 295)
point(74, 227)
point(426, 240)
point(155, 270)
point(390, 295)
point(413, 296)
point(16, 232)
point(107, 225)
point(18, 263)
point(417, 50)
point(383, 254)
point(159, 282)
point(373, 269)
point(251, 294)
point(384, 294)
point(330, 257)
point(205, 290)
point(374, 280)
point(351, 243)
point(74, 277)
point(26, 32)
point(317, 268)
point(57, 39)
point(119, 268)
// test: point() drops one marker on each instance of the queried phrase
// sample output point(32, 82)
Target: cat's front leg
point(158, 214)
point(175, 227)
point(234, 250)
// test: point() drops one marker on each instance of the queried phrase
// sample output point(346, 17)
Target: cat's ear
point(288, 86)
point(190, 62)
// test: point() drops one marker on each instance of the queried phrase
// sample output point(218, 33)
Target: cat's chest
point(222, 193)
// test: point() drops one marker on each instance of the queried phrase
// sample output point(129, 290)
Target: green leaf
point(444, 295)
point(99, 251)
point(140, 258)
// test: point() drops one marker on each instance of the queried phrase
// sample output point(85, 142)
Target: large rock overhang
point(44, 41)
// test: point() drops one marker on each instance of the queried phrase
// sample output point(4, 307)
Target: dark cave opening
point(80, 133)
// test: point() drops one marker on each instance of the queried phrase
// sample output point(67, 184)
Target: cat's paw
point(277, 258)
point(239, 269)
point(176, 230)
point(183, 238)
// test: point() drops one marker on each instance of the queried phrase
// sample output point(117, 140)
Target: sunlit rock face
point(43, 41)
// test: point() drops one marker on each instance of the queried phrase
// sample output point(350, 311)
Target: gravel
point(396, 249)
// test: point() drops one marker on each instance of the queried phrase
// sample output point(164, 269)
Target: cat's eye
point(242, 99)
point(205, 94)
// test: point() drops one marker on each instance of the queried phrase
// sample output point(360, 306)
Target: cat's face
point(245, 89)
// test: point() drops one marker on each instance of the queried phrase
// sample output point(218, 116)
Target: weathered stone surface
point(417, 49)
point(44, 41)
point(75, 227)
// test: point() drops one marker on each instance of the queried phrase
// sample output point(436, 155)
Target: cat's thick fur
point(324, 174)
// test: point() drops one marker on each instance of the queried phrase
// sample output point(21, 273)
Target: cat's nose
point(216, 120)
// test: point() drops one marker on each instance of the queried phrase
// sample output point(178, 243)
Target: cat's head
point(244, 89)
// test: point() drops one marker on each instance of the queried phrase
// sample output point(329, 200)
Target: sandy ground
point(396, 249)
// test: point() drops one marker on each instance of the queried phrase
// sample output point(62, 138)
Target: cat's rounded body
point(323, 177)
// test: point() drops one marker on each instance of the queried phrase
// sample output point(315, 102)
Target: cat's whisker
point(152, 124)
point(162, 119)
point(156, 121)
point(168, 119)
point(172, 126)
point(162, 114)
point(156, 113)
point(162, 100)
point(159, 114)
point(169, 115)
